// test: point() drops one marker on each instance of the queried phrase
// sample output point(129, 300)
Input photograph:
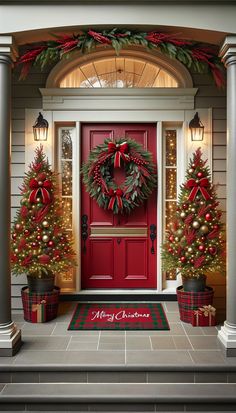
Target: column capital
point(8, 47)
point(228, 50)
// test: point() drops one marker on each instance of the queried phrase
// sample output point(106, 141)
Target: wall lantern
point(197, 129)
point(40, 128)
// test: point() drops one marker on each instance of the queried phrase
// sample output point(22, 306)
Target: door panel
point(118, 248)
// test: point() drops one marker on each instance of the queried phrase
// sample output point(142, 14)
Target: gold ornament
point(45, 238)
point(193, 209)
point(190, 249)
point(204, 229)
point(176, 239)
point(16, 250)
point(195, 224)
point(179, 232)
point(45, 224)
point(183, 214)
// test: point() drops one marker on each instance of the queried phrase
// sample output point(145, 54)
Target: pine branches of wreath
point(139, 169)
point(195, 56)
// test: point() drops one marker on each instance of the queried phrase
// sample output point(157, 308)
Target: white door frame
point(165, 107)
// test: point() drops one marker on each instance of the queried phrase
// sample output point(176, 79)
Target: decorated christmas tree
point(194, 243)
point(40, 244)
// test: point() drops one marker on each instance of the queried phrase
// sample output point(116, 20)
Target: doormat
point(119, 316)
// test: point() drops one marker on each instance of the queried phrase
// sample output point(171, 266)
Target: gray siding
point(26, 95)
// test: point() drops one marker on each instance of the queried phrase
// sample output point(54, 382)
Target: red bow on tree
point(115, 196)
point(196, 186)
point(40, 188)
point(120, 150)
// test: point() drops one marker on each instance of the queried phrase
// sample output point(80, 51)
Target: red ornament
point(203, 239)
point(14, 235)
point(193, 165)
point(171, 238)
point(34, 244)
point(192, 260)
point(183, 259)
point(185, 206)
point(38, 237)
point(212, 250)
point(170, 250)
point(26, 232)
point(200, 174)
point(50, 243)
point(216, 227)
point(201, 248)
point(208, 217)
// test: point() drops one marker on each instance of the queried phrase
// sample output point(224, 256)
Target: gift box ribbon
point(40, 311)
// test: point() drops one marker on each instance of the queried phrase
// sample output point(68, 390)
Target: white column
point(227, 334)
point(10, 336)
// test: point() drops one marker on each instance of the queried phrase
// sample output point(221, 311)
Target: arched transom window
point(118, 72)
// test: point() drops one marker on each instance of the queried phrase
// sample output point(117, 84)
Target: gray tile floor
point(51, 343)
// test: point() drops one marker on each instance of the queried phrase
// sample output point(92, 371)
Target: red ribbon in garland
point(115, 196)
point(198, 186)
point(40, 188)
point(120, 150)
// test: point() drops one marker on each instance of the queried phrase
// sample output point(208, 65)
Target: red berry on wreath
point(201, 248)
point(183, 259)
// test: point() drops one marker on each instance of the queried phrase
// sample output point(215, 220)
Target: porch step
point(138, 397)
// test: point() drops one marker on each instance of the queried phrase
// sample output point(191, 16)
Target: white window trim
point(55, 109)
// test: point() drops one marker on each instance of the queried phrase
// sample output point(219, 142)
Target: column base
point(10, 339)
point(227, 337)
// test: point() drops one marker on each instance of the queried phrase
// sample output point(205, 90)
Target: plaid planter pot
point(39, 308)
point(189, 301)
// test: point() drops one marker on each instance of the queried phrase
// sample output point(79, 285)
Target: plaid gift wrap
point(204, 317)
point(40, 307)
point(189, 301)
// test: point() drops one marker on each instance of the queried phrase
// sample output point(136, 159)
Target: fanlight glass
point(118, 72)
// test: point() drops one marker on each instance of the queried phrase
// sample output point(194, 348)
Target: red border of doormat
point(119, 316)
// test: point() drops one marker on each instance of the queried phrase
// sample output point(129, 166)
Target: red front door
point(117, 252)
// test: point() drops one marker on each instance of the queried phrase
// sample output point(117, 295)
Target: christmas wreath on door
point(139, 169)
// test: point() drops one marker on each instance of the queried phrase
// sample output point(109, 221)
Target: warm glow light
point(40, 128)
point(197, 129)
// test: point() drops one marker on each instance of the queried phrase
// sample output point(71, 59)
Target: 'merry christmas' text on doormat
point(119, 316)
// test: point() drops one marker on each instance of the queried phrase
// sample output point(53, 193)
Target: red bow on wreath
point(198, 186)
point(115, 196)
point(120, 150)
point(40, 187)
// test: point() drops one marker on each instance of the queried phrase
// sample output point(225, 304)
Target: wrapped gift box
point(39, 312)
point(40, 307)
point(204, 317)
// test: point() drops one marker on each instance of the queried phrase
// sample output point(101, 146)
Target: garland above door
point(195, 56)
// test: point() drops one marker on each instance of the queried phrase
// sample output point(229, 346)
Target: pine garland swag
point(140, 175)
point(193, 55)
